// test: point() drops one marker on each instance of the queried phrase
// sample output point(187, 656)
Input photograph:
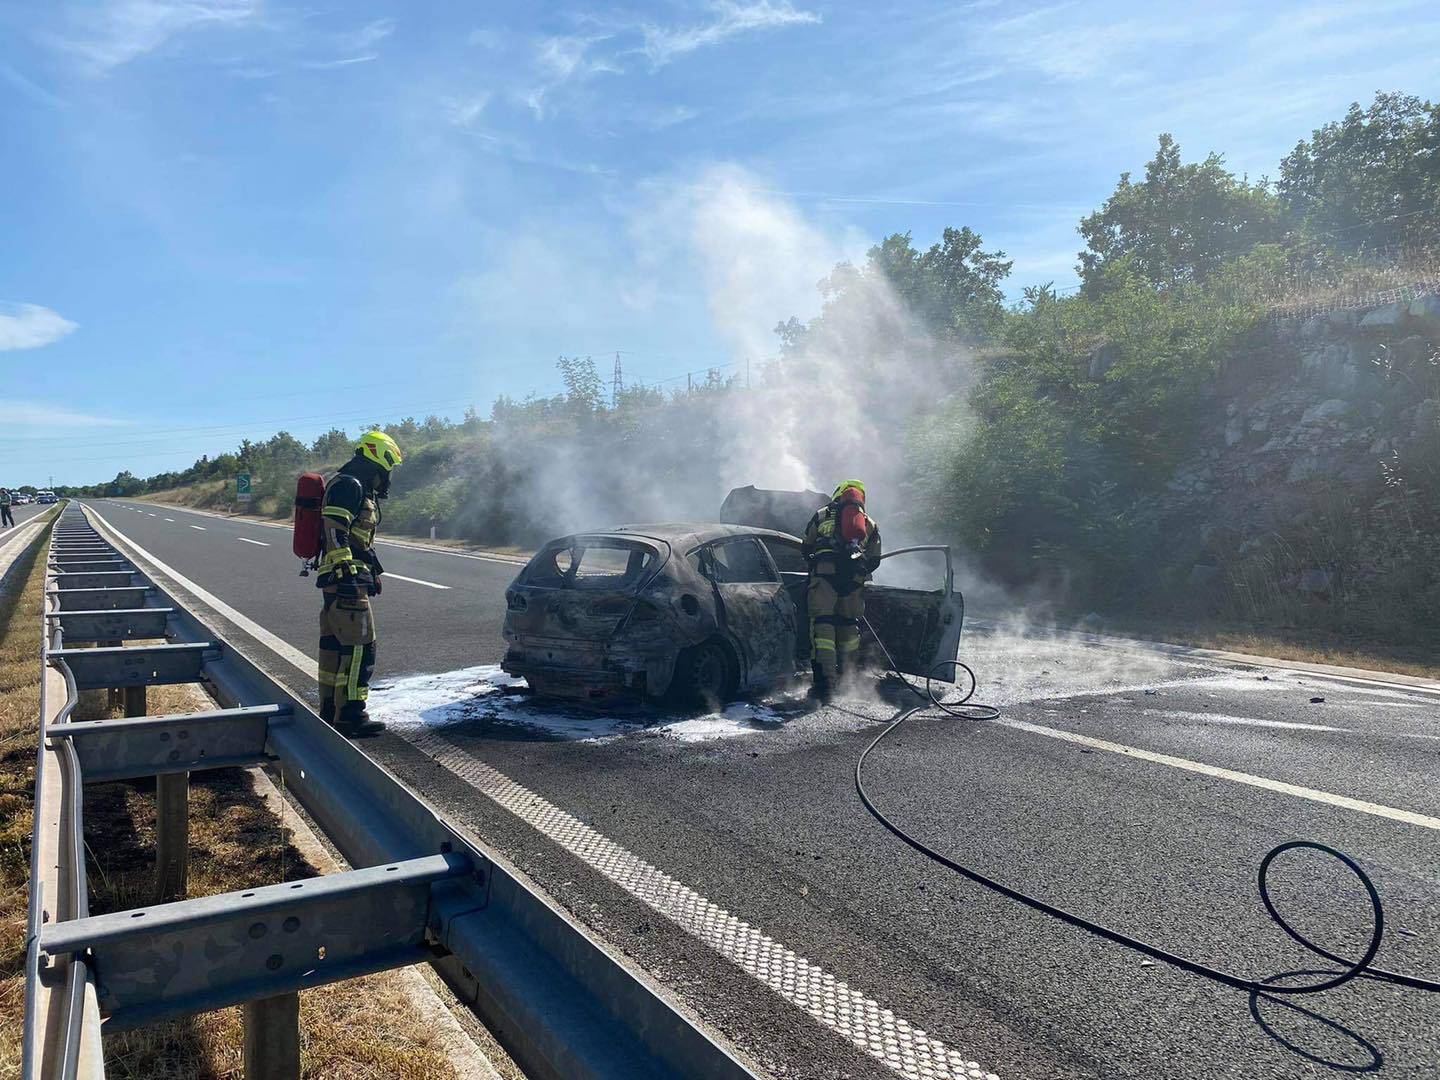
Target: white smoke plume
point(845, 405)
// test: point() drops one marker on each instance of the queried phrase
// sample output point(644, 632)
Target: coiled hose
point(964, 709)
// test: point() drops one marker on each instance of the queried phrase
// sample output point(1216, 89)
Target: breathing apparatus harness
point(963, 708)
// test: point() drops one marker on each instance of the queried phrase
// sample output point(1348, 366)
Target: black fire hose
point(963, 708)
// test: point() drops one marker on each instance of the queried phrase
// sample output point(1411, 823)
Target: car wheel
point(704, 675)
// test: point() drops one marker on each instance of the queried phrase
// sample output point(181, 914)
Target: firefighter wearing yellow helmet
point(842, 547)
point(350, 574)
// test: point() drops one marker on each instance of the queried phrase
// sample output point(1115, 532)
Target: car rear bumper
point(558, 679)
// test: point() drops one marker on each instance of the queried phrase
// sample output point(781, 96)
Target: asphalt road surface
point(23, 514)
point(729, 856)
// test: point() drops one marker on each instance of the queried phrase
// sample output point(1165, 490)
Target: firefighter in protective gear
point(842, 547)
point(349, 574)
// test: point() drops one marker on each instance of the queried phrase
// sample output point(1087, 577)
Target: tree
point(334, 445)
point(952, 288)
point(1179, 224)
point(1372, 179)
point(584, 392)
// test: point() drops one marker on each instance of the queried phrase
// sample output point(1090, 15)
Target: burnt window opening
point(590, 564)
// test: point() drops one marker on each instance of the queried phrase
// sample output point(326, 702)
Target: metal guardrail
point(560, 1003)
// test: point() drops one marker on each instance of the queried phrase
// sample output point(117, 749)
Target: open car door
point(920, 625)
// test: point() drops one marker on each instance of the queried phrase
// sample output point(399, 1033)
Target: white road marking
point(149, 514)
point(199, 527)
point(861, 1020)
point(247, 540)
point(1280, 786)
point(171, 520)
point(413, 580)
point(511, 560)
point(1245, 721)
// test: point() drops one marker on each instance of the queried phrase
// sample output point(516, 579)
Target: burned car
point(696, 613)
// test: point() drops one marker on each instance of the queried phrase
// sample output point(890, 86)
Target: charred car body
point(695, 613)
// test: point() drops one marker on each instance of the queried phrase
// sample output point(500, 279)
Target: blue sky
point(224, 217)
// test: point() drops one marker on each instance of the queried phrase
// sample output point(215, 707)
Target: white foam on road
point(485, 694)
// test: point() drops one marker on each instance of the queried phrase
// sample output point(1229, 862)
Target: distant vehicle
point(695, 613)
point(47, 497)
point(19, 498)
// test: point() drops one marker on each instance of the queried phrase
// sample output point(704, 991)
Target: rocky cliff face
point(1322, 416)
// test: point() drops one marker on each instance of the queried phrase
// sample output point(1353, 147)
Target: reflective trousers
point(347, 655)
point(834, 625)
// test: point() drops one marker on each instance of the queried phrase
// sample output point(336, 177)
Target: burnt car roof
point(681, 534)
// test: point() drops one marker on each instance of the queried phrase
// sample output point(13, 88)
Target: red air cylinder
point(308, 539)
point(853, 525)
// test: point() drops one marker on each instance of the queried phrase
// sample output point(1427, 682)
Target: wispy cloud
point(37, 414)
point(120, 31)
point(563, 59)
point(464, 111)
point(344, 61)
point(30, 88)
point(728, 19)
point(358, 46)
point(368, 36)
point(29, 326)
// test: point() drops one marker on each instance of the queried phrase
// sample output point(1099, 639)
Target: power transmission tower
point(617, 384)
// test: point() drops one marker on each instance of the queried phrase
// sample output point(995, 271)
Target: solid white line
point(832, 1002)
point(200, 527)
point(247, 540)
point(1244, 721)
point(413, 580)
point(1280, 786)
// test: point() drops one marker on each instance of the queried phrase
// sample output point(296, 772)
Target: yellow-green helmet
point(845, 485)
point(379, 448)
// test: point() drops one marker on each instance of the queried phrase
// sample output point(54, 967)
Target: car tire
point(704, 675)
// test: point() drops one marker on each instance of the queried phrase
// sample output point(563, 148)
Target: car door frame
point(766, 605)
point(948, 609)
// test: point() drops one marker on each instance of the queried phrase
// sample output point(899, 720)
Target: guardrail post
point(114, 695)
point(272, 1038)
point(172, 836)
point(172, 820)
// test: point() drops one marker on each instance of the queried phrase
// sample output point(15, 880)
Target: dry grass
point(1309, 647)
point(364, 1028)
point(21, 605)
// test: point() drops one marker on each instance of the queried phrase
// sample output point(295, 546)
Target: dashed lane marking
point(201, 528)
point(247, 540)
point(832, 1002)
point(414, 580)
point(171, 520)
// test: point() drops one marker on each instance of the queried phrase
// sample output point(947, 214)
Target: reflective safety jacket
point(349, 515)
point(830, 557)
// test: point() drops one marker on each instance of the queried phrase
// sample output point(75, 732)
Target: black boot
point(354, 720)
point(821, 688)
point(327, 711)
